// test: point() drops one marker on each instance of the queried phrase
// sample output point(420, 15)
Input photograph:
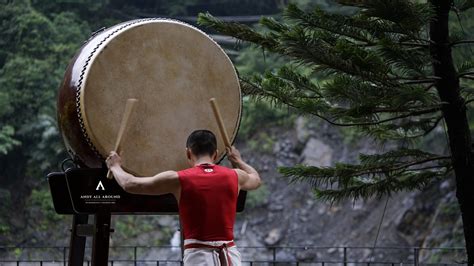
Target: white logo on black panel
point(100, 186)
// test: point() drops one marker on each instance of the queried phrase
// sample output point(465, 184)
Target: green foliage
point(377, 175)
point(463, 5)
point(4, 208)
point(17, 252)
point(34, 51)
point(262, 142)
point(368, 69)
point(7, 142)
point(41, 198)
point(257, 197)
point(258, 113)
point(81, 7)
point(179, 7)
point(129, 226)
point(37, 48)
point(450, 208)
point(49, 151)
point(252, 60)
point(353, 69)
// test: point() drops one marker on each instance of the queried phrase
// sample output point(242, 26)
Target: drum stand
point(69, 186)
point(99, 231)
point(77, 243)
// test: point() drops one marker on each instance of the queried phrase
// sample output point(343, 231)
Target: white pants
point(207, 256)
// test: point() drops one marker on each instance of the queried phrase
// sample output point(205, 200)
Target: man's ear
point(214, 157)
point(188, 153)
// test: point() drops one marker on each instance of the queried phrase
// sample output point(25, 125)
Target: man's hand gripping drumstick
point(123, 126)
point(249, 178)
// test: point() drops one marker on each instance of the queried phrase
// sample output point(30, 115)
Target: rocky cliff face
point(291, 215)
point(282, 214)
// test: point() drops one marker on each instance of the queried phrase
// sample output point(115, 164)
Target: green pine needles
point(370, 69)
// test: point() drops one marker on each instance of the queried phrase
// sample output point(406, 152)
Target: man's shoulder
point(225, 168)
point(185, 172)
point(170, 174)
point(239, 172)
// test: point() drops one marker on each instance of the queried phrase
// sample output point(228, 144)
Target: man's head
point(201, 143)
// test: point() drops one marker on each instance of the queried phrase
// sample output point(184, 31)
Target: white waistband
point(210, 243)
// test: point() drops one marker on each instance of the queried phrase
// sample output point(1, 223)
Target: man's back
point(208, 201)
point(207, 196)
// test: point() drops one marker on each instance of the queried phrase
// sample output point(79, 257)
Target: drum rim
point(122, 27)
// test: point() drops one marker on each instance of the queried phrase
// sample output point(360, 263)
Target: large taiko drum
point(172, 69)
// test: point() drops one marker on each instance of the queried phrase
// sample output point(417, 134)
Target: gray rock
point(316, 153)
point(167, 220)
point(306, 255)
point(273, 237)
point(284, 255)
point(275, 207)
point(302, 132)
point(445, 186)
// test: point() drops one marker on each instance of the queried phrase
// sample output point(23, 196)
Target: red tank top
point(208, 202)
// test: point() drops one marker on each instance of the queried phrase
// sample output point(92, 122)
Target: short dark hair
point(202, 142)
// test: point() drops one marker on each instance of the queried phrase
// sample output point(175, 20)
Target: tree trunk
point(454, 113)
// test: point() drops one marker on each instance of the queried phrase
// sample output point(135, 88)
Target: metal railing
point(273, 255)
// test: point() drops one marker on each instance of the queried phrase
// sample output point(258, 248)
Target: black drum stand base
point(77, 243)
point(100, 233)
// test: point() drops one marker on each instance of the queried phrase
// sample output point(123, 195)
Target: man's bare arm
point(249, 179)
point(162, 183)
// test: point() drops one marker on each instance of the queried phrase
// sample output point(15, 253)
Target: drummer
point(206, 194)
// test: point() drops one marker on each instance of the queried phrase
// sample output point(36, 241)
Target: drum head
point(173, 70)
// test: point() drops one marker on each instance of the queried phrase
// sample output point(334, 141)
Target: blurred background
point(39, 37)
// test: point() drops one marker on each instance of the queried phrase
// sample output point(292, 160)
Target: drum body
point(172, 68)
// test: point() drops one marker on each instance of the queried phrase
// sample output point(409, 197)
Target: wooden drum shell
point(75, 134)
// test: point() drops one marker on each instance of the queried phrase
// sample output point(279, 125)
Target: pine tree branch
point(311, 51)
point(465, 74)
point(294, 43)
point(334, 23)
point(402, 17)
point(421, 78)
point(393, 168)
point(428, 168)
point(420, 81)
point(435, 124)
point(383, 187)
point(466, 5)
point(407, 165)
point(407, 44)
point(357, 91)
point(462, 42)
point(337, 24)
point(465, 66)
point(402, 131)
point(380, 163)
point(259, 91)
point(401, 109)
point(374, 64)
point(415, 44)
point(430, 87)
point(376, 175)
point(469, 101)
point(238, 30)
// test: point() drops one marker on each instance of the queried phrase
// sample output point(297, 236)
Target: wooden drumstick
point(220, 123)
point(123, 125)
